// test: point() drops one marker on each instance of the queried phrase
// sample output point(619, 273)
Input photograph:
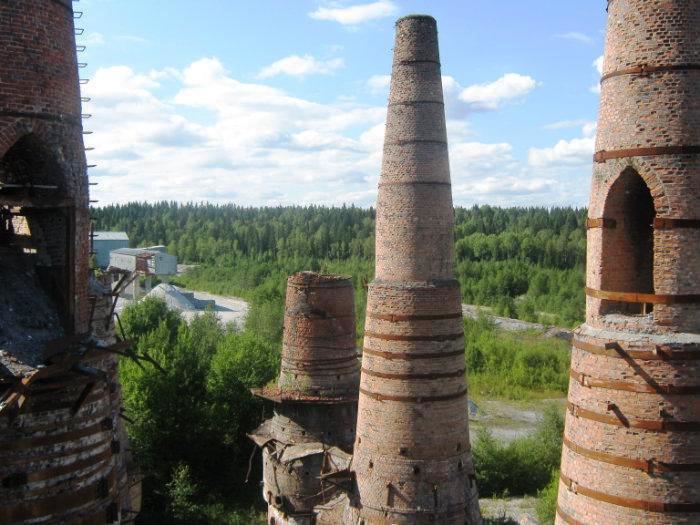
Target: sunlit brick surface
point(632, 437)
point(412, 457)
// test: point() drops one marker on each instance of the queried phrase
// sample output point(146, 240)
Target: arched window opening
point(628, 243)
point(36, 250)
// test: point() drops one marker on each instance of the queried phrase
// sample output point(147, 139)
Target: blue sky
point(271, 102)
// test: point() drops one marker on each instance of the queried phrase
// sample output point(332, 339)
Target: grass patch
point(521, 365)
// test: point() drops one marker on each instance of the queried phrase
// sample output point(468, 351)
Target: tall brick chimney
point(412, 457)
point(61, 458)
point(632, 439)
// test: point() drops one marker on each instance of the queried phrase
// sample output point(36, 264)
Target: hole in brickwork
point(627, 257)
point(36, 251)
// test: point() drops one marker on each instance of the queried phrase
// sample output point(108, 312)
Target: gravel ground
point(507, 420)
point(516, 325)
point(511, 511)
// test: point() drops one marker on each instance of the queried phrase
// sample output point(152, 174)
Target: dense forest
point(523, 262)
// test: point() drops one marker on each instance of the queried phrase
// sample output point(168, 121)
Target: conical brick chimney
point(412, 459)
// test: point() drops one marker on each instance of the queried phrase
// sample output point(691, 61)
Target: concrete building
point(61, 450)
point(412, 458)
point(632, 442)
point(311, 433)
point(104, 242)
point(145, 260)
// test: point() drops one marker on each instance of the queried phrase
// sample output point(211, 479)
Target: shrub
point(546, 506)
point(522, 466)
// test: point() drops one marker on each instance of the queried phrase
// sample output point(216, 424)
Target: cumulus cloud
point(598, 65)
point(355, 14)
point(379, 83)
point(492, 95)
point(576, 36)
point(299, 66)
point(574, 152)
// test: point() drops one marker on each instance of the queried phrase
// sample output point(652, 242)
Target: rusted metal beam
point(644, 69)
point(601, 223)
point(622, 421)
point(602, 156)
point(394, 318)
point(633, 297)
point(409, 356)
point(399, 337)
point(410, 377)
point(649, 506)
point(646, 465)
point(667, 223)
point(626, 386)
point(413, 399)
point(655, 353)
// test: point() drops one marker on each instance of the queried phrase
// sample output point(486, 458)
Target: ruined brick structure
point(61, 446)
point(412, 458)
point(315, 401)
point(632, 440)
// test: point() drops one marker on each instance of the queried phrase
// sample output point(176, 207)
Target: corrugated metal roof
point(111, 236)
point(133, 251)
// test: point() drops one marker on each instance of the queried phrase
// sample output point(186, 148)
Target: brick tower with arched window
point(61, 454)
point(632, 440)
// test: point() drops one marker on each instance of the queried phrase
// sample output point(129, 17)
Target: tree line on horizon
point(522, 262)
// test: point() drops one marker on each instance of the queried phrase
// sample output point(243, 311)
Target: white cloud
point(299, 66)
point(356, 14)
point(574, 152)
point(379, 83)
point(492, 95)
point(563, 124)
point(576, 36)
point(598, 65)
point(95, 39)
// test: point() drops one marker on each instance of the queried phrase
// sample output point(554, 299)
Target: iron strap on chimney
point(646, 70)
point(650, 506)
point(653, 353)
point(601, 156)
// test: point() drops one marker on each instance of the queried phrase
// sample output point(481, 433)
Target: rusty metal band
point(53, 439)
point(602, 156)
point(410, 62)
point(633, 297)
point(414, 183)
point(632, 503)
point(417, 377)
point(568, 518)
point(416, 103)
point(76, 466)
point(338, 360)
point(14, 460)
point(59, 503)
point(646, 70)
point(600, 223)
point(401, 318)
point(51, 404)
point(647, 465)
point(625, 386)
point(75, 421)
point(409, 356)
point(658, 353)
point(644, 424)
point(63, 119)
point(664, 223)
point(347, 286)
point(318, 315)
point(415, 141)
point(397, 337)
point(413, 399)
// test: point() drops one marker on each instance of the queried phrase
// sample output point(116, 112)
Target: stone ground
point(228, 309)
point(511, 511)
point(516, 325)
point(508, 420)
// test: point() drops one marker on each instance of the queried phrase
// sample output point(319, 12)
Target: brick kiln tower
point(412, 459)
point(60, 454)
point(313, 426)
point(632, 440)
